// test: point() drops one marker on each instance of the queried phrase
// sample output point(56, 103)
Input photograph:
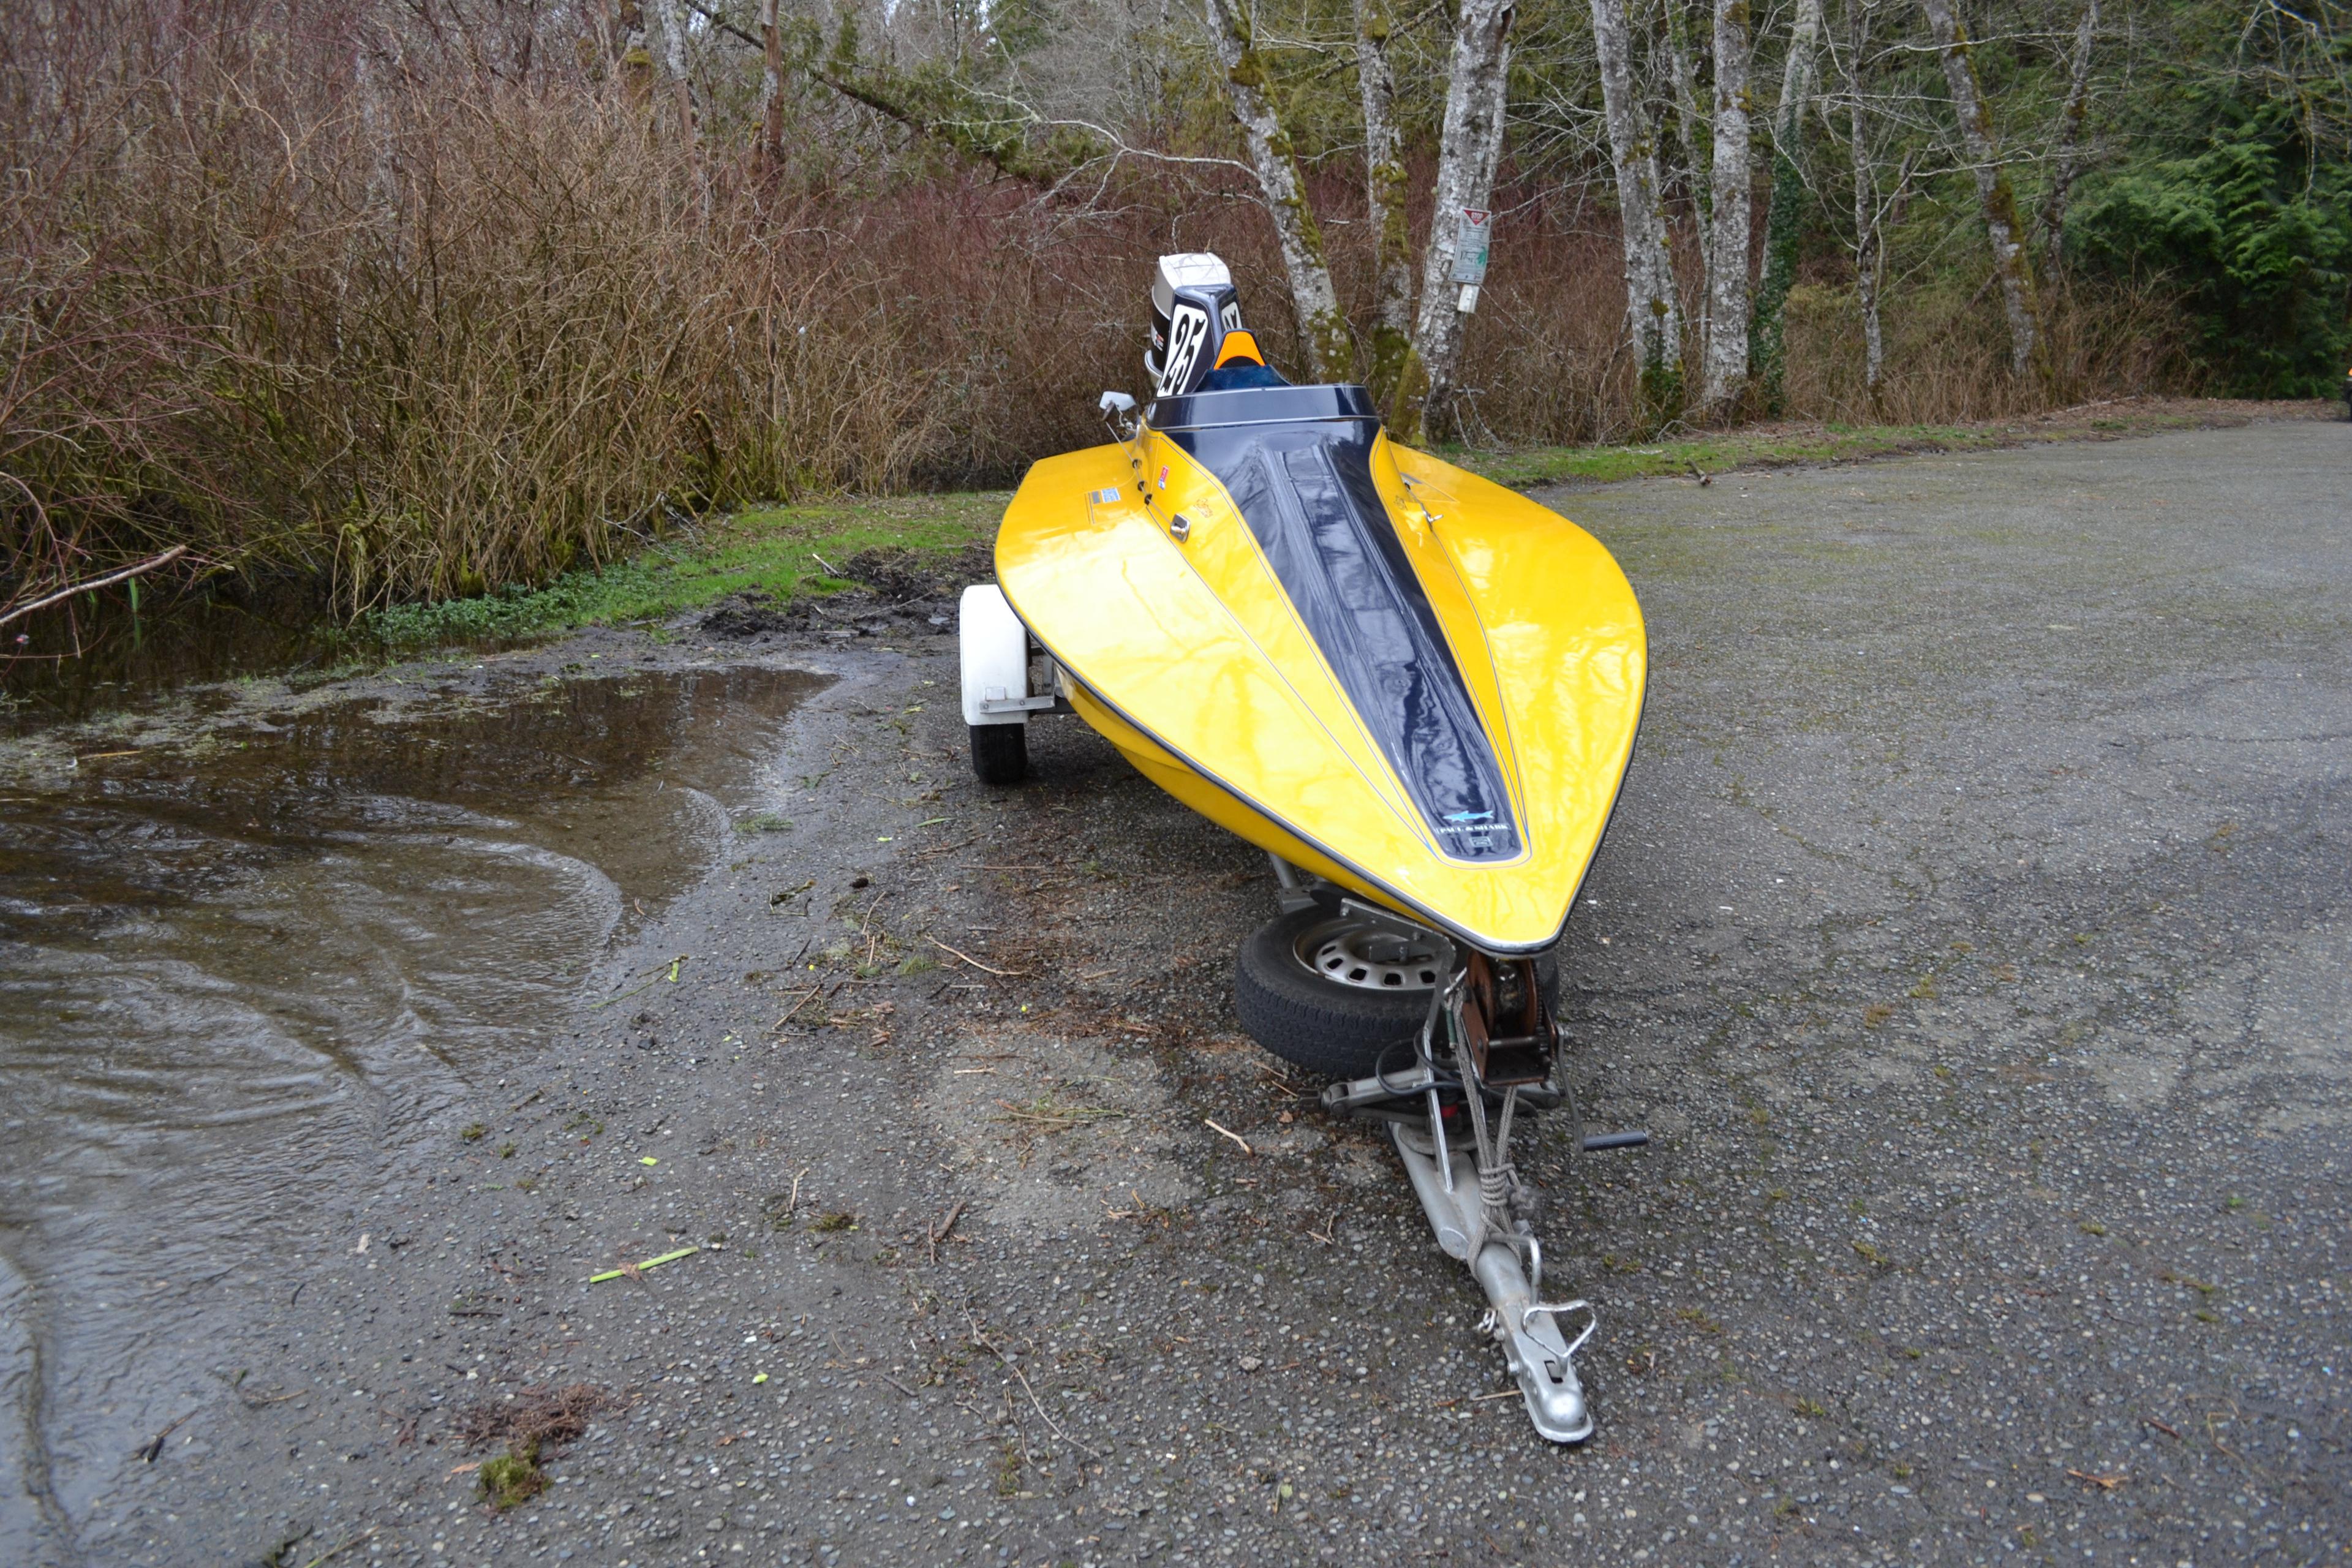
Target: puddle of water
point(88, 658)
point(235, 978)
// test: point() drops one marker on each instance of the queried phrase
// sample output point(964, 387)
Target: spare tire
point(1336, 994)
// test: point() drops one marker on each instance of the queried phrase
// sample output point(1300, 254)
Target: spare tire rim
point(1365, 957)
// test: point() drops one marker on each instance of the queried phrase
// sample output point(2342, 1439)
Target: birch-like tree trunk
point(1385, 188)
point(1768, 342)
point(1469, 146)
point(772, 88)
point(1653, 309)
point(1321, 327)
point(1690, 125)
point(1869, 254)
point(635, 58)
point(1732, 218)
point(1995, 196)
point(670, 15)
point(2065, 162)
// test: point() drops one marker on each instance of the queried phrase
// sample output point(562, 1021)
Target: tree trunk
point(673, 26)
point(636, 60)
point(1385, 188)
point(1767, 343)
point(1321, 327)
point(772, 89)
point(1689, 123)
point(1869, 254)
point(1653, 309)
point(1994, 194)
point(2065, 163)
point(1469, 146)
point(1730, 224)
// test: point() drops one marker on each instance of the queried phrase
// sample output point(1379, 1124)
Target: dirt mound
point(901, 591)
point(904, 576)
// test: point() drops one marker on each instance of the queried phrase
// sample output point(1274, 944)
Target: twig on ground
point(152, 1449)
point(633, 1270)
point(1232, 1134)
point(340, 1550)
point(1050, 1423)
point(943, 947)
point(673, 966)
point(939, 1233)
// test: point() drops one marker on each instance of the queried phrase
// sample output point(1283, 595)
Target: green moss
point(514, 1476)
point(781, 551)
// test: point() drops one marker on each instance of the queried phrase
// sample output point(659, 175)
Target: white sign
point(1470, 246)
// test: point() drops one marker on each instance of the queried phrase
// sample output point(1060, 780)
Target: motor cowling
point(1194, 307)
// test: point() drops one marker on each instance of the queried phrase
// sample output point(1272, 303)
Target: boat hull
point(1415, 684)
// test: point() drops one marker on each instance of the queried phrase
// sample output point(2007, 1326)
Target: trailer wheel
point(1000, 752)
point(1337, 995)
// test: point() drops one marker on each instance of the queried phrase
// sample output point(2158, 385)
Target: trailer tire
point(1000, 752)
point(1324, 1024)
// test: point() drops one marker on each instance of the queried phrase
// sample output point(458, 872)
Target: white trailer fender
point(995, 649)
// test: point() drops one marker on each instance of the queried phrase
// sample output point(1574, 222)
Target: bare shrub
point(454, 341)
point(447, 322)
point(1947, 355)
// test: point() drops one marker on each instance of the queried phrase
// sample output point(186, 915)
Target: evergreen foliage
point(2255, 231)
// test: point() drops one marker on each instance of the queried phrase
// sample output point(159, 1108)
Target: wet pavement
point(1973, 939)
point(241, 961)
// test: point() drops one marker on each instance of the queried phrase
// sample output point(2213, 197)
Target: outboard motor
point(1198, 341)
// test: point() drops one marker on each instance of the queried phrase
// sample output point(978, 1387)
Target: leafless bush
point(421, 344)
point(1947, 356)
point(410, 316)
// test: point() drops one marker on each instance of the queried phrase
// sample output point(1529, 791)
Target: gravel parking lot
point(1974, 939)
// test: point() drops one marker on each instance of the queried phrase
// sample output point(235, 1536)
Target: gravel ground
point(1973, 939)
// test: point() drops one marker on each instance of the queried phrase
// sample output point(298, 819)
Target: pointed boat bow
point(1413, 682)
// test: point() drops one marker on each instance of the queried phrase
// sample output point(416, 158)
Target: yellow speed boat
point(1416, 690)
point(1400, 678)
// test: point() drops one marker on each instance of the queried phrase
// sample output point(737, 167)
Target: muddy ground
point(1973, 939)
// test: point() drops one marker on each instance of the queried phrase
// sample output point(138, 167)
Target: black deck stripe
point(1306, 492)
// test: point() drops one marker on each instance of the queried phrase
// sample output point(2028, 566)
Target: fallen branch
point(94, 584)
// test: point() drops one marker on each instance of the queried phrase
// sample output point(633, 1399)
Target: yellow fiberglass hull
point(1340, 685)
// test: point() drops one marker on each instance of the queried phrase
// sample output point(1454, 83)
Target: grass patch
point(780, 551)
point(786, 550)
point(1785, 445)
point(1716, 454)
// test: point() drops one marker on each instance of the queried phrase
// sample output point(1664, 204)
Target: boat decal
point(1306, 491)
